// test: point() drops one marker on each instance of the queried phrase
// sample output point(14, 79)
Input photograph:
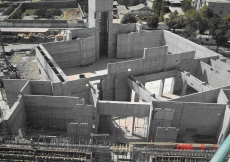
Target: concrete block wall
point(121, 70)
point(166, 134)
point(161, 118)
point(123, 108)
point(179, 44)
point(77, 88)
point(133, 44)
point(155, 59)
point(83, 33)
point(54, 111)
point(204, 117)
point(40, 87)
point(115, 30)
point(26, 89)
point(226, 91)
point(224, 127)
point(206, 97)
point(156, 76)
point(222, 97)
point(15, 119)
point(220, 65)
point(93, 94)
point(46, 68)
point(13, 88)
point(193, 82)
point(212, 76)
point(73, 53)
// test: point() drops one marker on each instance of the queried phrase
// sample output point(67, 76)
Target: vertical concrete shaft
point(102, 88)
point(130, 94)
point(133, 125)
point(115, 89)
point(172, 85)
point(136, 98)
point(184, 88)
point(161, 87)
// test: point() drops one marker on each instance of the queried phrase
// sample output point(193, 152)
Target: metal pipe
point(222, 152)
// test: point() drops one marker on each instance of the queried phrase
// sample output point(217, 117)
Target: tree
point(161, 16)
point(195, 20)
point(186, 5)
point(157, 7)
point(128, 18)
point(220, 32)
point(152, 21)
point(175, 21)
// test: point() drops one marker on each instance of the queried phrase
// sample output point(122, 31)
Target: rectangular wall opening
point(103, 28)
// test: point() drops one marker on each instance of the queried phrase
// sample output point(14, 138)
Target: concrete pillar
point(161, 87)
point(102, 88)
point(133, 125)
point(115, 89)
point(136, 98)
point(184, 88)
point(129, 95)
point(172, 85)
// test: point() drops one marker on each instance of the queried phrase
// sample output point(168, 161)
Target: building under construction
point(114, 92)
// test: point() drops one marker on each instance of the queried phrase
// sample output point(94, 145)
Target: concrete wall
point(77, 88)
point(179, 44)
point(118, 29)
point(124, 109)
point(40, 87)
point(204, 117)
point(83, 33)
point(48, 67)
point(54, 111)
point(212, 76)
point(15, 119)
point(224, 127)
point(155, 60)
point(13, 88)
point(220, 65)
point(73, 53)
point(133, 44)
point(166, 134)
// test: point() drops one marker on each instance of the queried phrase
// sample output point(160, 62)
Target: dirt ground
point(26, 65)
point(70, 14)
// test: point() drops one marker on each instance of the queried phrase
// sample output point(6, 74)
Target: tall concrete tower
point(100, 17)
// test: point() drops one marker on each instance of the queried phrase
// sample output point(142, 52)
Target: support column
point(172, 85)
point(129, 94)
point(133, 125)
point(115, 89)
point(161, 87)
point(184, 88)
point(136, 98)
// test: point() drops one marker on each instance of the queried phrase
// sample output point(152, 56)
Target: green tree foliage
point(175, 21)
point(17, 14)
point(197, 21)
point(220, 31)
point(130, 2)
point(161, 16)
point(186, 5)
point(152, 21)
point(158, 9)
point(43, 12)
point(128, 18)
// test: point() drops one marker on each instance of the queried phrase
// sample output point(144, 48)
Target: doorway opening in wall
point(103, 28)
point(154, 88)
point(189, 91)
